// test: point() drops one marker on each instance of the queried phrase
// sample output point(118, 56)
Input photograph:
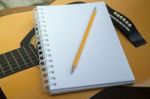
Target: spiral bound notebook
point(59, 32)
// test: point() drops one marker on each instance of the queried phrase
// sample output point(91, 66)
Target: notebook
point(59, 32)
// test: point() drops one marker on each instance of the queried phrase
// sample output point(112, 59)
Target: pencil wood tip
point(73, 68)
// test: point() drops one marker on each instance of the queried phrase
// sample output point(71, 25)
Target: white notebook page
point(102, 60)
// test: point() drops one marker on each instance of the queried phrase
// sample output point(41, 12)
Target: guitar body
point(13, 30)
point(27, 84)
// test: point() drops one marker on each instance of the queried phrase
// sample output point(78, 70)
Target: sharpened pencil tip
point(73, 68)
point(72, 71)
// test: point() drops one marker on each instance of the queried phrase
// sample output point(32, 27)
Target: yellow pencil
point(84, 39)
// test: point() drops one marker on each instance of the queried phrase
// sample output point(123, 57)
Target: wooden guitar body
point(27, 84)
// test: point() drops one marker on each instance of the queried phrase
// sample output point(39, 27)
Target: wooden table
point(27, 84)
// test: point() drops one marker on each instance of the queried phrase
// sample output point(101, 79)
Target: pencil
point(84, 39)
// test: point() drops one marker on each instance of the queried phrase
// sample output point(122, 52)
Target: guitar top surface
point(27, 84)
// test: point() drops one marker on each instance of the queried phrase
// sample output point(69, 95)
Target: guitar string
point(28, 55)
point(21, 56)
point(14, 59)
point(33, 52)
point(33, 56)
point(2, 69)
point(7, 61)
point(6, 70)
point(34, 62)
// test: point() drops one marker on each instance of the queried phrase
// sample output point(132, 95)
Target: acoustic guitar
point(27, 83)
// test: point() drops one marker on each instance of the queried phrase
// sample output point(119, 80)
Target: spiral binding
point(44, 51)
